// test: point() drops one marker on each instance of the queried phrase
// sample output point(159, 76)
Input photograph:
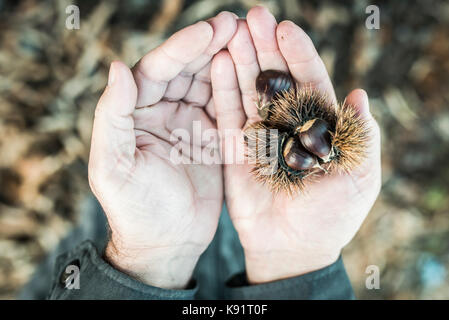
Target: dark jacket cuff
point(99, 280)
point(331, 282)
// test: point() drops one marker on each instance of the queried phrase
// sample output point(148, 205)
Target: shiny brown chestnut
point(296, 157)
point(268, 83)
point(316, 138)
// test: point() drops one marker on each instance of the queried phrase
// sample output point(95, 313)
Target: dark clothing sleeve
point(328, 283)
point(99, 280)
point(222, 260)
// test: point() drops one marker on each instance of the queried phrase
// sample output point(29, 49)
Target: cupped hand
point(162, 214)
point(283, 236)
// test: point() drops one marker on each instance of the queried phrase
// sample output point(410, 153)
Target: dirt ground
point(51, 78)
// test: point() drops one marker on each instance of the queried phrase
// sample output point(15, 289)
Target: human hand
point(162, 215)
point(282, 236)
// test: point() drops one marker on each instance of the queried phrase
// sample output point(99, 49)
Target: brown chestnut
point(268, 83)
point(316, 138)
point(296, 157)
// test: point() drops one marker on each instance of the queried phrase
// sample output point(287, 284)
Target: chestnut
point(296, 157)
point(316, 138)
point(268, 83)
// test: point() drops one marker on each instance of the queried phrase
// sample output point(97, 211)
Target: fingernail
point(111, 77)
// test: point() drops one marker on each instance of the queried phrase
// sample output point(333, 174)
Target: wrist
point(162, 267)
point(273, 266)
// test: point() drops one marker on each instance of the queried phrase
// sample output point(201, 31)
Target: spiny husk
point(289, 111)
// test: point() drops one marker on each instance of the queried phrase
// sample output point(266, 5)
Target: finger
point(262, 26)
point(243, 54)
point(200, 90)
point(178, 87)
point(113, 135)
point(210, 109)
point(225, 90)
point(358, 98)
point(303, 60)
point(166, 117)
point(153, 72)
point(228, 106)
point(224, 26)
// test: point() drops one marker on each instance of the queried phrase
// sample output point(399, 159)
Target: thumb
point(358, 98)
point(113, 139)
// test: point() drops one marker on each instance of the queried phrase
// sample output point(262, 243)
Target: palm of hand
point(131, 168)
point(185, 198)
point(325, 217)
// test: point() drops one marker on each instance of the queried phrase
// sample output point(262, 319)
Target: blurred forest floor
point(51, 78)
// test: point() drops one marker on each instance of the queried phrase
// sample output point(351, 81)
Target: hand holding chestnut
point(283, 233)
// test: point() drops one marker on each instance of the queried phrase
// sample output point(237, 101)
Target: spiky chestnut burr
point(301, 135)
